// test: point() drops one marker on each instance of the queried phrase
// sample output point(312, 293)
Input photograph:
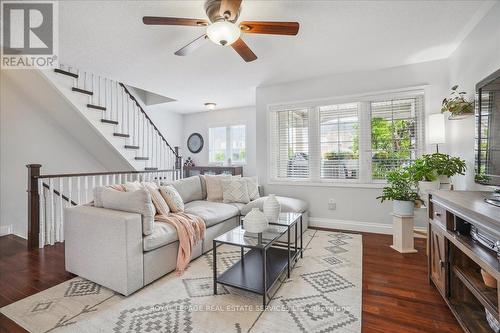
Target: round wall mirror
point(195, 143)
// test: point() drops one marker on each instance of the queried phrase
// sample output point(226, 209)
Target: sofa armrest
point(105, 246)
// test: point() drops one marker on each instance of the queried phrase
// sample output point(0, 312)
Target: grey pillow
point(134, 202)
point(189, 189)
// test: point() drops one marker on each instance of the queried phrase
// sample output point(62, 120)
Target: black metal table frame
point(263, 251)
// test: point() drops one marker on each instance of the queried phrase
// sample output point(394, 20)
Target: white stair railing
point(120, 108)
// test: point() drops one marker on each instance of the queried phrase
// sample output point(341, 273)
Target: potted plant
point(448, 166)
point(401, 190)
point(457, 104)
point(423, 171)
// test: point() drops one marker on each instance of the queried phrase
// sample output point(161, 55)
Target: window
point(290, 144)
point(357, 141)
point(228, 142)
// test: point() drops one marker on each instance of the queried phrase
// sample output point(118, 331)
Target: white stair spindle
point(93, 186)
point(100, 180)
point(85, 189)
point(41, 195)
point(70, 190)
point(78, 190)
point(61, 208)
point(51, 207)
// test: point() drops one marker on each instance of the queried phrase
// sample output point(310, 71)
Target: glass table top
point(287, 219)
point(239, 237)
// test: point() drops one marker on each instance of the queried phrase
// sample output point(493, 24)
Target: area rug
point(323, 294)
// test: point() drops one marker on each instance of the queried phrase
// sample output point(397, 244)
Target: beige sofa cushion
point(134, 202)
point(211, 212)
point(214, 187)
point(189, 188)
point(163, 234)
point(253, 187)
point(173, 198)
point(158, 201)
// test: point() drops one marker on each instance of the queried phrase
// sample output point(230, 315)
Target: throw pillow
point(214, 187)
point(132, 186)
point(173, 198)
point(235, 190)
point(134, 202)
point(158, 201)
point(253, 187)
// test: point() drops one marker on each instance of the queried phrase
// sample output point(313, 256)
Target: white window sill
point(375, 185)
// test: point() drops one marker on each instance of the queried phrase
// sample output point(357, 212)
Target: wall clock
point(195, 143)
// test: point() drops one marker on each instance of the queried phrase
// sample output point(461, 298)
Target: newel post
point(178, 162)
point(33, 206)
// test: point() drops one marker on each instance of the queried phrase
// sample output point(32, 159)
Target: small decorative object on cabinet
point(255, 221)
point(272, 208)
point(212, 170)
point(402, 237)
point(189, 162)
point(195, 143)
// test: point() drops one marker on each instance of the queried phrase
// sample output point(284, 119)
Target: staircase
point(112, 109)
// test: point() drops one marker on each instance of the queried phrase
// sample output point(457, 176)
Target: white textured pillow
point(134, 202)
point(161, 206)
point(173, 198)
point(253, 187)
point(132, 186)
point(235, 190)
point(214, 187)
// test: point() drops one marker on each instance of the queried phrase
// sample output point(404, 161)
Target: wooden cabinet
point(438, 259)
point(212, 170)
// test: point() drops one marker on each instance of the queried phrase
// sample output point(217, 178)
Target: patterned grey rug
point(322, 295)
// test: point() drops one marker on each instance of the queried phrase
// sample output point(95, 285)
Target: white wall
point(29, 133)
point(477, 57)
point(170, 124)
point(353, 204)
point(202, 121)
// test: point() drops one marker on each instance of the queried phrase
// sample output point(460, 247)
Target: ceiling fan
point(222, 29)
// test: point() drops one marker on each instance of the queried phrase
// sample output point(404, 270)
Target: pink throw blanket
point(190, 229)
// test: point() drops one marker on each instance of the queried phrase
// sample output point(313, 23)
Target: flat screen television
point(488, 130)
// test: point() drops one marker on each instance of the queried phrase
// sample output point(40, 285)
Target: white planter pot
point(425, 187)
point(445, 183)
point(403, 208)
point(272, 208)
point(255, 221)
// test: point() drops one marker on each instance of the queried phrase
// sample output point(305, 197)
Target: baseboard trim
point(376, 228)
point(5, 230)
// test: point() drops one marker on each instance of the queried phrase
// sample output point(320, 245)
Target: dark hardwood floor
point(397, 296)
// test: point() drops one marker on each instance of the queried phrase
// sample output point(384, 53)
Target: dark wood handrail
point(134, 172)
point(149, 119)
point(56, 192)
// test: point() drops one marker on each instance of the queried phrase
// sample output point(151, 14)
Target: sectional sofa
point(108, 246)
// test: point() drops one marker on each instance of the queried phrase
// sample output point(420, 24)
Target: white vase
point(403, 208)
point(272, 208)
point(255, 221)
point(445, 183)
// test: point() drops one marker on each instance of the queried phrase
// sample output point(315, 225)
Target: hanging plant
point(457, 104)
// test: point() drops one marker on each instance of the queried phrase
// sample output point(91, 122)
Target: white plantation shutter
point(359, 140)
point(339, 141)
point(396, 133)
point(290, 144)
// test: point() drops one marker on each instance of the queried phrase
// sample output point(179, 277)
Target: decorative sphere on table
point(255, 221)
point(272, 208)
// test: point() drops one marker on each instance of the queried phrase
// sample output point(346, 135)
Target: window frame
point(364, 117)
point(228, 151)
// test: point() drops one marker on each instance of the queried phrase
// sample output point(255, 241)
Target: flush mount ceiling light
point(210, 106)
point(223, 32)
point(223, 28)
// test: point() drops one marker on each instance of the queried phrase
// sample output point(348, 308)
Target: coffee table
point(259, 268)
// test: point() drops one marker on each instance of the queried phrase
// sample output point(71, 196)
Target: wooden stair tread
point(141, 158)
point(61, 71)
point(109, 121)
point(150, 169)
point(131, 147)
point(97, 107)
point(122, 135)
point(83, 91)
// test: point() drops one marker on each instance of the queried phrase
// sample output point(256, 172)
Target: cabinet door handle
point(441, 263)
point(437, 214)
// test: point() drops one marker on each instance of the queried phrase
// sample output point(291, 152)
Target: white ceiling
point(108, 37)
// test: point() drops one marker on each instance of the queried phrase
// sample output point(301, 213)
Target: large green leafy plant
point(457, 104)
point(400, 186)
point(429, 167)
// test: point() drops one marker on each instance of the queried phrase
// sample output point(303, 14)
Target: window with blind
point(359, 141)
point(339, 141)
point(228, 142)
point(290, 144)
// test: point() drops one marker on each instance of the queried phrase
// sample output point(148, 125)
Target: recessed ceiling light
point(210, 106)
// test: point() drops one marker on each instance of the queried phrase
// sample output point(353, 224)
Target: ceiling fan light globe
point(223, 33)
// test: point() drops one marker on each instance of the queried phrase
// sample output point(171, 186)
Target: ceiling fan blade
point(243, 50)
point(229, 9)
point(192, 46)
point(155, 20)
point(270, 28)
